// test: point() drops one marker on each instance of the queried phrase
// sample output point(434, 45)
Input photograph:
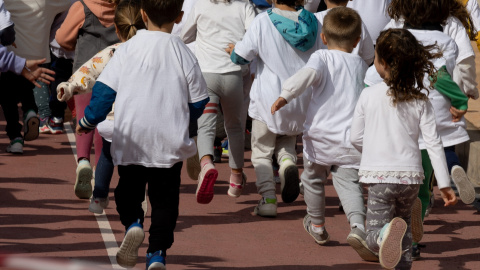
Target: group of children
point(311, 70)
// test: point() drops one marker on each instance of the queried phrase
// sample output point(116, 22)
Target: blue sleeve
point(100, 105)
point(10, 62)
point(237, 59)
point(196, 109)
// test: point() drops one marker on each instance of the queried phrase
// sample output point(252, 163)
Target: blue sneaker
point(127, 255)
point(156, 261)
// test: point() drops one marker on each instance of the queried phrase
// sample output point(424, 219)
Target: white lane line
point(102, 220)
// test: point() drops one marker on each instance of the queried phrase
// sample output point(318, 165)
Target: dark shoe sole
point(291, 189)
point(31, 129)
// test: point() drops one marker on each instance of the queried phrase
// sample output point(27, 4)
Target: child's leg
point(84, 141)
point(42, 98)
point(207, 122)
point(349, 190)
point(98, 145)
point(424, 191)
point(104, 172)
point(314, 177)
point(130, 193)
point(403, 210)
point(231, 97)
point(263, 145)
point(288, 171)
point(164, 193)
point(381, 208)
point(452, 158)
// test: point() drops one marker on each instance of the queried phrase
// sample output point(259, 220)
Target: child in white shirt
point(365, 47)
point(337, 76)
point(158, 88)
point(215, 24)
point(389, 118)
point(374, 14)
point(282, 39)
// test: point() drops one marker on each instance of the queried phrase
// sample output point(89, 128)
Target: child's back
point(152, 75)
point(332, 103)
point(278, 60)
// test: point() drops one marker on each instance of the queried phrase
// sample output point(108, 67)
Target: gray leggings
point(227, 89)
point(346, 184)
point(386, 201)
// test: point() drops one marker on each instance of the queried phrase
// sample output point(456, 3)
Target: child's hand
point(278, 104)
point(33, 72)
point(79, 130)
point(457, 114)
point(448, 196)
point(230, 48)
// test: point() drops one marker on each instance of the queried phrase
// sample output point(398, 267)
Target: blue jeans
point(452, 158)
point(103, 172)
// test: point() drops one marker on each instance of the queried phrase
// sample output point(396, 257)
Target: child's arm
point(100, 105)
point(434, 146)
point(450, 89)
point(189, 31)
point(245, 50)
point(358, 125)
point(67, 34)
point(295, 86)
point(467, 70)
point(84, 78)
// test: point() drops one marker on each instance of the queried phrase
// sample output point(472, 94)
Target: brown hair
point(460, 12)
point(409, 63)
point(113, 1)
point(342, 26)
point(162, 11)
point(128, 18)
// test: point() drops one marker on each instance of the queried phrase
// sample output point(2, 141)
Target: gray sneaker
point(321, 239)
point(356, 239)
point(266, 208)
point(15, 146)
point(465, 188)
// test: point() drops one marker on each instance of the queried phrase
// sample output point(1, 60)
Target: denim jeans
point(103, 172)
point(452, 158)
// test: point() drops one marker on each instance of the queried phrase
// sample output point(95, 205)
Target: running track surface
point(40, 217)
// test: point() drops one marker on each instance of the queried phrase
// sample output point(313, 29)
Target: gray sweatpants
point(386, 201)
point(227, 89)
point(346, 184)
point(264, 144)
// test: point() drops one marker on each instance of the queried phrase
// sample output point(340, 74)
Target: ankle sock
point(318, 228)
point(359, 226)
point(236, 178)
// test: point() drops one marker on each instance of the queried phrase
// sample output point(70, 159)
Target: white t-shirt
point(33, 20)
point(374, 14)
point(388, 136)
point(364, 48)
point(155, 76)
point(214, 25)
point(277, 61)
point(177, 28)
point(337, 84)
point(452, 133)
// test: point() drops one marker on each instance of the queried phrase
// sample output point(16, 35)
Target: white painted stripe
point(102, 220)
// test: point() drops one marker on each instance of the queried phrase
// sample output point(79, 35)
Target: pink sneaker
point(206, 181)
point(235, 190)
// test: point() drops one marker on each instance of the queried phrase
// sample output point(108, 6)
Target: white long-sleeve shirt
point(337, 80)
point(387, 135)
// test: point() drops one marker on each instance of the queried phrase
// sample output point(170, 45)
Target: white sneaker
point(15, 146)
point(83, 183)
point(466, 190)
point(391, 243)
point(97, 205)
point(266, 207)
point(127, 254)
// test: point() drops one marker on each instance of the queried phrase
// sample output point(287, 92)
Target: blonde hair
point(342, 26)
point(128, 18)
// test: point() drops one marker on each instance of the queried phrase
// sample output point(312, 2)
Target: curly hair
point(420, 12)
point(409, 62)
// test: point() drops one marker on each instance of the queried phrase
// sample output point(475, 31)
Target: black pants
point(63, 71)
point(14, 89)
point(163, 192)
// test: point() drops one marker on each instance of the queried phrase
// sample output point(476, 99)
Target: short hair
point(339, 2)
point(342, 26)
point(291, 3)
point(162, 11)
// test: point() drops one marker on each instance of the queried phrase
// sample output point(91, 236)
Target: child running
point(388, 120)
point(337, 76)
point(215, 24)
point(152, 73)
point(282, 39)
point(127, 21)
